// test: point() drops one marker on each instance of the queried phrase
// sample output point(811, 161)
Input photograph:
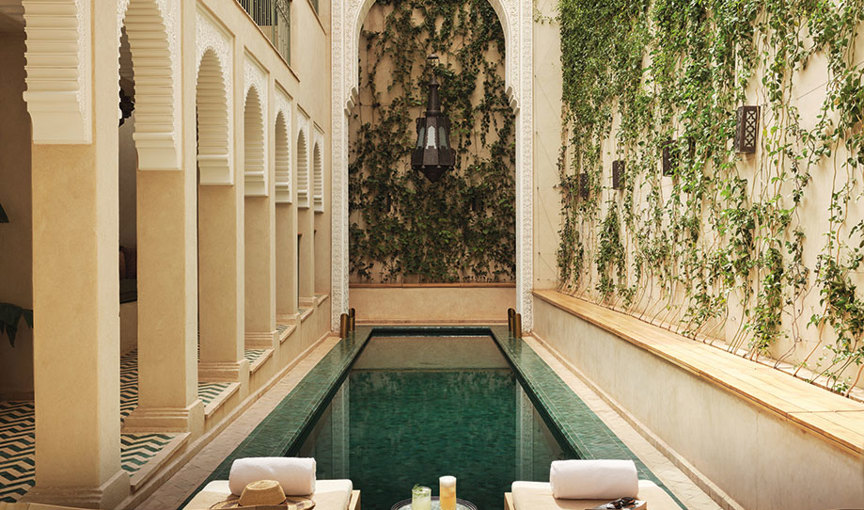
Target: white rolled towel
point(296, 475)
point(593, 479)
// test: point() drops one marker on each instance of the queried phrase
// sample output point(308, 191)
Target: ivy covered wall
point(404, 228)
point(756, 253)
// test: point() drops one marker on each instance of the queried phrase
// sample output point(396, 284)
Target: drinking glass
point(421, 498)
point(447, 492)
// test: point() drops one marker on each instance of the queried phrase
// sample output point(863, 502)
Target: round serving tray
point(461, 504)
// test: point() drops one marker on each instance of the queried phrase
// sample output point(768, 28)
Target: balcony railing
point(274, 19)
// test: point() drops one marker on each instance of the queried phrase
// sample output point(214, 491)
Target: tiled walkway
point(17, 431)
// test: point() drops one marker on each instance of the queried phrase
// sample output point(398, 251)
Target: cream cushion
point(538, 496)
point(329, 495)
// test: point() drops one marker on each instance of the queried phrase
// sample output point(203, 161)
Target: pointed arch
point(211, 102)
point(156, 122)
point(318, 177)
point(302, 170)
point(283, 160)
point(254, 150)
point(58, 68)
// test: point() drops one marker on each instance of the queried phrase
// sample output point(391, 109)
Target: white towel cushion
point(593, 479)
point(538, 496)
point(329, 495)
point(296, 475)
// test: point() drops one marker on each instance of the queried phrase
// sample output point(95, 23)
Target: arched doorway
point(517, 23)
point(220, 355)
point(258, 223)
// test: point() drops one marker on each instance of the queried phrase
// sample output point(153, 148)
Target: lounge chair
point(329, 495)
point(538, 496)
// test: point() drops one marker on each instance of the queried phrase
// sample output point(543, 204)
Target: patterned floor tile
point(253, 354)
point(208, 392)
point(128, 383)
point(137, 449)
point(18, 443)
point(17, 449)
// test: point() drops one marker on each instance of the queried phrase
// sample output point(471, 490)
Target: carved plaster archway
point(283, 164)
point(318, 175)
point(59, 81)
point(283, 159)
point(516, 18)
point(211, 101)
point(254, 145)
point(151, 28)
point(302, 169)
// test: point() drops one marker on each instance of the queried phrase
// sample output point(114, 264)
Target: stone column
point(220, 285)
point(260, 273)
point(75, 295)
point(286, 262)
point(167, 267)
point(306, 276)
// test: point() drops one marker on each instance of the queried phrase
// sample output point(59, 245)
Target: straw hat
point(264, 495)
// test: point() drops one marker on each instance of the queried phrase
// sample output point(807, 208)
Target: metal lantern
point(747, 129)
point(618, 174)
point(670, 157)
point(584, 186)
point(433, 155)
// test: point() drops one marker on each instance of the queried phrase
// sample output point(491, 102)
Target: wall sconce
point(747, 129)
point(583, 186)
point(671, 155)
point(618, 174)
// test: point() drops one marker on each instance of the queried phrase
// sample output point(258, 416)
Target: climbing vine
point(720, 245)
point(461, 228)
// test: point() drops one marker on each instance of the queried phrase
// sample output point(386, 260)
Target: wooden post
point(517, 325)
point(344, 325)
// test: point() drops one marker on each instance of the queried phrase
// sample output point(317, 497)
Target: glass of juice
point(447, 492)
point(421, 498)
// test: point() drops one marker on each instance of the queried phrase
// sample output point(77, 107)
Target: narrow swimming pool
point(391, 406)
point(415, 408)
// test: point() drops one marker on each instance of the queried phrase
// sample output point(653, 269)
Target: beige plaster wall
point(16, 245)
point(798, 339)
point(547, 143)
point(757, 458)
point(430, 304)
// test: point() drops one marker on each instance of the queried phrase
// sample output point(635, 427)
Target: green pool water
point(414, 409)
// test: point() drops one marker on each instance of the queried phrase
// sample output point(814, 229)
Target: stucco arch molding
point(152, 27)
point(58, 68)
point(516, 17)
point(217, 87)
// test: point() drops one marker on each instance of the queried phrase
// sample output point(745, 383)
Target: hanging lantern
point(433, 155)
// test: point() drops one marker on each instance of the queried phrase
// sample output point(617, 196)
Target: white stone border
point(210, 36)
point(59, 77)
point(254, 76)
point(517, 21)
point(283, 177)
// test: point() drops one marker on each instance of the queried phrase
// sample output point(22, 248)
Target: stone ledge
point(831, 417)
